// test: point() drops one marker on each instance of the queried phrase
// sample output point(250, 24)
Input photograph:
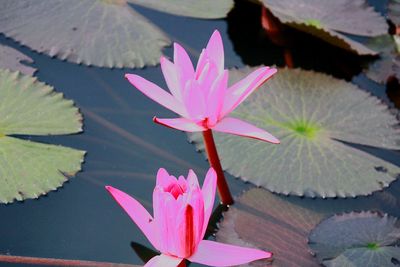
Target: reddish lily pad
point(313, 115)
point(11, 59)
point(394, 11)
point(365, 239)
point(263, 220)
point(331, 20)
point(104, 33)
point(282, 224)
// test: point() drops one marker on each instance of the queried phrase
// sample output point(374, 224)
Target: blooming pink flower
point(202, 97)
point(181, 214)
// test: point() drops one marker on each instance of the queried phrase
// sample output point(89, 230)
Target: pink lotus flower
point(202, 97)
point(181, 214)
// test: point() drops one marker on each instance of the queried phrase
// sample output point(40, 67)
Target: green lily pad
point(388, 65)
point(312, 114)
point(331, 20)
point(357, 239)
point(205, 9)
point(11, 59)
point(104, 33)
point(28, 107)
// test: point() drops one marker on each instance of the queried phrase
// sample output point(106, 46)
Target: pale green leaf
point(104, 33)
point(29, 169)
point(28, 106)
point(311, 114)
point(204, 9)
point(357, 239)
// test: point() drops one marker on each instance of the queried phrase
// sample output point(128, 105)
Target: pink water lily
point(181, 213)
point(201, 96)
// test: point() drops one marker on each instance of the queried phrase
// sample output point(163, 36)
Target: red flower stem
point(182, 264)
point(212, 154)
point(59, 262)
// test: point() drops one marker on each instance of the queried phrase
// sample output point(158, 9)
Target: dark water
point(125, 148)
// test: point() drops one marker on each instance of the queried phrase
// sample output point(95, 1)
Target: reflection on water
point(125, 148)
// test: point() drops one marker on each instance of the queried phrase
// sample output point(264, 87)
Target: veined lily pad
point(312, 114)
point(357, 239)
point(330, 20)
point(263, 220)
point(104, 33)
point(282, 224)
point(11, 59)
point(388, 65)
point(204, 9)
point(29, 169)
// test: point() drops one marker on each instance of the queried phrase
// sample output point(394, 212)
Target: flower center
point(175, 189)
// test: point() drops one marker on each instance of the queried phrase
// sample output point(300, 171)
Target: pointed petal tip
point(216, 33)
point(110, 189)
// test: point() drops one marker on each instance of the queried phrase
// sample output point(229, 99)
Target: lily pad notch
point(29, 107)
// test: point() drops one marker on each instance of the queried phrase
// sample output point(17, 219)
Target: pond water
point(125, 148)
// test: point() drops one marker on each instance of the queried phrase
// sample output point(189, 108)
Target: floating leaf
point(330, 20)
point(262, 220)
point(11, 59)
point(205, 9)
point(104, 33)
point(312, 114)
point(357, 239)
point(388, 65)
point(29, 107)
point(394, 11)
point(282, 224)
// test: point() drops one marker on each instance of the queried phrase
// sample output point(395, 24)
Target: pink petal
point(215, 50)
point(194, 100)
point(137, 213)
point(156, 93)
point(180, 124)
point(207, 77)
point(203, 58)
point(216, 97)
point(164, 179)
point(183, 65)
point(163, 261)
point(192, 180)
point(208, 191)
point(165, 208)
point(242, 128)
point(196, 200)
point(171, 78)
point(238, 92)
point(218, 254)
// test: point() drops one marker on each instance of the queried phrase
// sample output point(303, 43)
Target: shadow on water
point(125, 148)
